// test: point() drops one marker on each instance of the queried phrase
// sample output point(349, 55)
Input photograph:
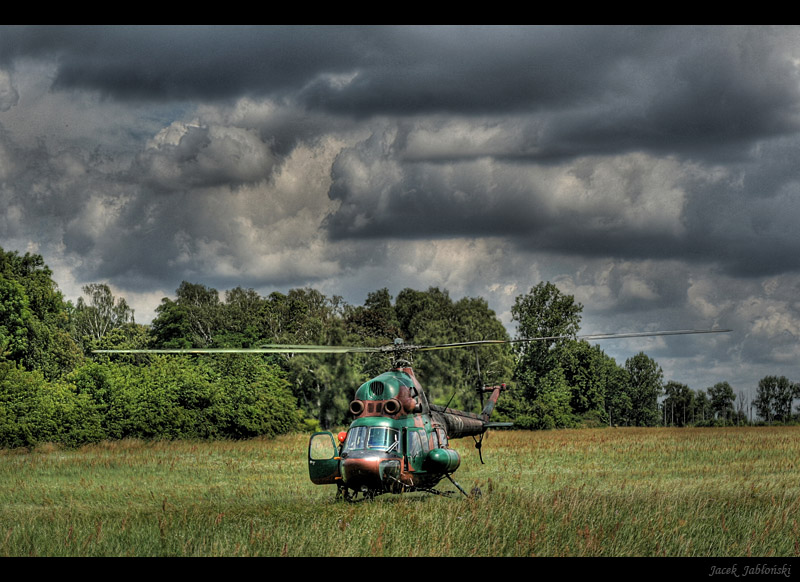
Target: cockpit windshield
point(375, 438)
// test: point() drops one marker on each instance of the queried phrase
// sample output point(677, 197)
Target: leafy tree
point(550, 409)
point(304, 316)
point(545, 312)
point(322, 383)
point(15, 315)
point(452, 376)
point(242, 319)
point(191, 320)
point(197, 318)
point(96, 381)
point(701, 407)
point(590, 374)
point(774, 398)
point(722, 397)
point(45, 300)
point(376, 321)
point(257, 398)
point(33, 317)
point(52, 350)
point(232, 396)
point(423, 315)
point(94, 319)
point(618, 401)
point(678, 404)
point(645, 384)
point(427, 318)
point(480, 366)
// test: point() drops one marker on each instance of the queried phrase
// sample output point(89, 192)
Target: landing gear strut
point(457, 485)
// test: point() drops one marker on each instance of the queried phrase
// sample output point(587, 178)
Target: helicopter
point(398, 441)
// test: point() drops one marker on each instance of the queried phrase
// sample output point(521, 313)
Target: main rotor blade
point(398, 347)
point(460, 345)
point(269, 349)
point(598, 336)
point(601, 336)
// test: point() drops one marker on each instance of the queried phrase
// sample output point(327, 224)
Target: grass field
point(595, 492)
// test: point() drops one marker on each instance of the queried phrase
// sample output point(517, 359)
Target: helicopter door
point(323, 459)
point(416, 448)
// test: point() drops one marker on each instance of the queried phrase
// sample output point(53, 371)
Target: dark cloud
point(182, 62)
point(597, 87)
point(651, 171)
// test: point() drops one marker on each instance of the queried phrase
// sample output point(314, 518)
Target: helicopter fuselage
point(397, 442)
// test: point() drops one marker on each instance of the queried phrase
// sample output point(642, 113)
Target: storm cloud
point(650, 171)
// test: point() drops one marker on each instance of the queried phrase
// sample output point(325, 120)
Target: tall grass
point(599, 492)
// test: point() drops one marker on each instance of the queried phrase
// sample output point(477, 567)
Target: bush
point(169, 398)
point(34, 411)
point(258, 400)
point(593, 419)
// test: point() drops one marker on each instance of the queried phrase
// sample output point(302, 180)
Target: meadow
point(712, 492)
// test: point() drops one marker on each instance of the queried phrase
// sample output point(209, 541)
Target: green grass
point(598, 492)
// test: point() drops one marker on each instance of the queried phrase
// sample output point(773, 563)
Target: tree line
point(53, 388)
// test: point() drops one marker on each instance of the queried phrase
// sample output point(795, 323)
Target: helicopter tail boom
point(458, 424)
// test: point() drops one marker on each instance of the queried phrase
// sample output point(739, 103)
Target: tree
point(103, 313)
point(257, 398)
point(645, 384)
point(428, 318)
point(33, 317)
point(678, 404)
point(375, 321)
point(544, 312)
point(473, 320)
point(322, 383)
point(15, 315)
point(304, 316)
point(701, 408)
point(242, 319)
point(452, 376)
point(591, 375)
point(45, 300)
point(191, 320)
point(774, 398)
point(34, 410)
point(618, 402)
point(741, 408)
point(722, 397)
point(551, 407)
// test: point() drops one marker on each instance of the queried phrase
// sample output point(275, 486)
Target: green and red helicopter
point(398, 441)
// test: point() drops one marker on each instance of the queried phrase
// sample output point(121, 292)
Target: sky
point(650, 172)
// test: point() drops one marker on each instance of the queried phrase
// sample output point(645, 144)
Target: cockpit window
point(376, 438)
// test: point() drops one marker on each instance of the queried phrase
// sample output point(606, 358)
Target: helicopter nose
point(371, 472)
point(360, 472)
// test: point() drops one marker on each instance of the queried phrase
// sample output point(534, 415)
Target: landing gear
point(352, 496)
point(453, 481)
point(367, 494)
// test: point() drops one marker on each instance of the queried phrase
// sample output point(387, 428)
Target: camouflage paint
point(410, 451)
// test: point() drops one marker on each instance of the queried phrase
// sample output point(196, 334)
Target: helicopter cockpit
point(373, 438)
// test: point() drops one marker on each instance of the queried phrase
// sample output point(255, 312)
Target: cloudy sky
point(651, 172)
